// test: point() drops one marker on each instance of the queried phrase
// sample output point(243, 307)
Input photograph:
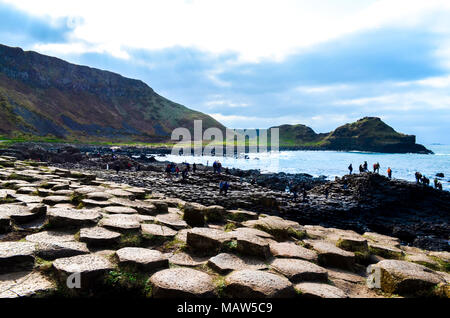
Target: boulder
point(194, 214)
point(142, 258)
point(171, 220)
point(225, 263)
point(297, 270)
point(25, 284)
point(122, 223)
point(16, 256)
point(185, 259)
point(206, 240)
point(182, 283)
point(156, 231)
point(99, 236)
point(65, 217)
point(90, 267)
point(280, 228)
point(403, 278)
point(292, 250)
point(119, 210)
point(257, 284)
point(254, 246)
point(317, 290)
point(330, 255)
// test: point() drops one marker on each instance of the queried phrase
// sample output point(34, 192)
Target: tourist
point(436, 183)
point(365, 166)
point(184, 174)
point(168, 170)
point(225, 188)
point(221, 185)
point(440, 186)
point(194, 167)
point(389, 172)
point(418, 177)
point(215, 166)
point(327, 192)
point(177, 171)
point(295, 191)
point(350, 168)
point(305, 195)
point(378, 167)
point(219, 167)
point(361, 169)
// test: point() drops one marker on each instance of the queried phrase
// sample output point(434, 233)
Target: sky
point(261, 63)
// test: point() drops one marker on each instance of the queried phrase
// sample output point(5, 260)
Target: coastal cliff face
point(366, 134)
point(46, 96)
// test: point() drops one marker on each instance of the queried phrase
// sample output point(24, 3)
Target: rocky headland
point(138, 233)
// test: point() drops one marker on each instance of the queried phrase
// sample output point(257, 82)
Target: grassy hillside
point(366, 134)
point(46, 96)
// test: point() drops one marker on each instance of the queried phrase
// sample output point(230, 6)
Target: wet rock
point(205, 240)
point(257, 284)
point(16, 256)
point(299, 270)
point(403, 278)
point(292, 250)
point(181, 283)
point(98, 236)
point(317, 290)
point(143, 258)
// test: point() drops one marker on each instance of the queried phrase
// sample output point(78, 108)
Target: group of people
point(223, 187)
point(365, 168)
point(295, 189)
point(173, 168)
point(421, 179)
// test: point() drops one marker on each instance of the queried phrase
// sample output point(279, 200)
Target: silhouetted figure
point(361, 169)
point(350, 168)
point(418, 176)
point(389, 172)
point(327, 192)
point(365, 166)
point(194, 167)
point(305, 195)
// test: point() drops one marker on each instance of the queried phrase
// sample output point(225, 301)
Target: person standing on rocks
point(350, 168)
point(389, 172)
point(418, 176)
point(361, 169)
point(305, 195)
point(365, 166)
point(168, 169)
point(327, 192)
point(436, 183)
point(194, 167)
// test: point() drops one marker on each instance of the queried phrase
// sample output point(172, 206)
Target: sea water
point(335, 163)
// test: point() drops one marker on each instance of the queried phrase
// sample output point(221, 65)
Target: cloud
point(255, 29)
point(20, 28)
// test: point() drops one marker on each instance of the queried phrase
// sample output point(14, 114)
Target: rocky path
point(124, 240)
